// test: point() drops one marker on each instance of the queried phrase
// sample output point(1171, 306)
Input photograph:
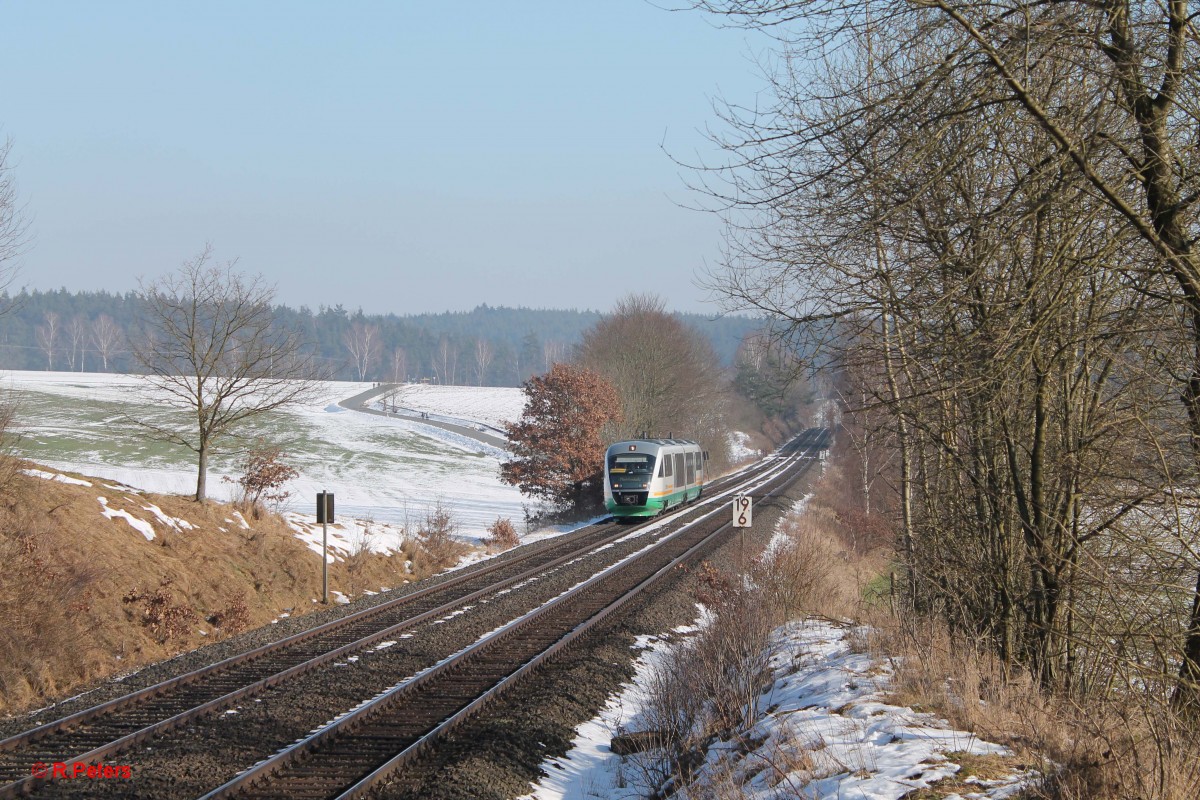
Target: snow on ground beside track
point(740, 449)
point(381, 469)
point(827, 734)
point(781, 535)
point(347, 536)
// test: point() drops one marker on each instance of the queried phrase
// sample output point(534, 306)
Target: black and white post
point(325, 516)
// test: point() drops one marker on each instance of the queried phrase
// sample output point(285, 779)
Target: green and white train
point(645, 477)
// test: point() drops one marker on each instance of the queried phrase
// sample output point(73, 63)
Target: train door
point(680, 472)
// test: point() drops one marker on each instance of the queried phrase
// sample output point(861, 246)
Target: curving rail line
point(97, 733)
point(351, 755)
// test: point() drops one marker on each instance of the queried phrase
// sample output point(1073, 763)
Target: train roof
point(654, 442)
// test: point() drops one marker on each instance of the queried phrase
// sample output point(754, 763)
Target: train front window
point(631, 464)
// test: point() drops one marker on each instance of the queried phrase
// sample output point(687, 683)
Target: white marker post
point(743, 516)
point(742, 511)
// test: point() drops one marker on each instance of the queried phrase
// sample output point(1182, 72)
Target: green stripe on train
point(654, 505)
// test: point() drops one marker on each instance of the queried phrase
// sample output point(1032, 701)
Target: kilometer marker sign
point(742, 511)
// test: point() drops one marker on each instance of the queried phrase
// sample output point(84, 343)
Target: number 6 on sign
point(742, 511)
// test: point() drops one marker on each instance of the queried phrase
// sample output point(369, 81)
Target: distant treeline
point(89, 331)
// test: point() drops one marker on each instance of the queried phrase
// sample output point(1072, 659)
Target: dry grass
point(971, 766)
point(811, 573)
point(1089, 748)
point(67, 569)
point(1122, 748)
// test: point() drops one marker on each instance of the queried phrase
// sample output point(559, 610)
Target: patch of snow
point(53, 476)
point(740, 449)
point(780, 536)
point(828, 734)
point(174, 522)
point(348, 536)
point(140, 525)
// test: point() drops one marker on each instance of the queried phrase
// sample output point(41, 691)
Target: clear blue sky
point(394, 156)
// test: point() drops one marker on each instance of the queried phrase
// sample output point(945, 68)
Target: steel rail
point(30, 783)
point(422, 745)
point(88, 714)
point(376, 706)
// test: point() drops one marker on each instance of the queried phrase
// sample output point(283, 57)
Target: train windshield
point(631, 464)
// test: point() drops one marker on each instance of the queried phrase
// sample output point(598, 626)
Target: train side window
point(662, 468)
point(691, 469)
point(667, 465)
point(679, 467)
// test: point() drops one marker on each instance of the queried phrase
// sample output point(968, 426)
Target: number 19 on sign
point(742, 512)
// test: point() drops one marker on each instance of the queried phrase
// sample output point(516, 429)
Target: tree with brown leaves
point(558, 444)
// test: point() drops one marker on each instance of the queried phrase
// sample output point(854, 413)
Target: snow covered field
point(488, 405)
point(383, 469)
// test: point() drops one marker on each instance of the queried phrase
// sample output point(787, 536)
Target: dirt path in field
point(359, 403)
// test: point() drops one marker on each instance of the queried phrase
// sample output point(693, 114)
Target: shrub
point(437, 532)
point(165, 618)
point(263, 477)
point(359, 557)
point(502, 535)
point(234, 618)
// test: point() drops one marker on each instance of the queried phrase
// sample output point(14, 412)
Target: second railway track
point(99, 733)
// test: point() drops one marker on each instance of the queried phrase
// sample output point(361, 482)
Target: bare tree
point(106, 337)
point(47, 336)
point(211, 349)
point(553, 353)
point(484, 353)
point(399, 365)
point(1126, 129)
point(666, 374)
point(77, 336)
point(13, 226)
point(362, 341)
point(445, 361)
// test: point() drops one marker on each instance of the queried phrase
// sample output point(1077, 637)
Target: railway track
point(97, 734)
point(349, 757)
